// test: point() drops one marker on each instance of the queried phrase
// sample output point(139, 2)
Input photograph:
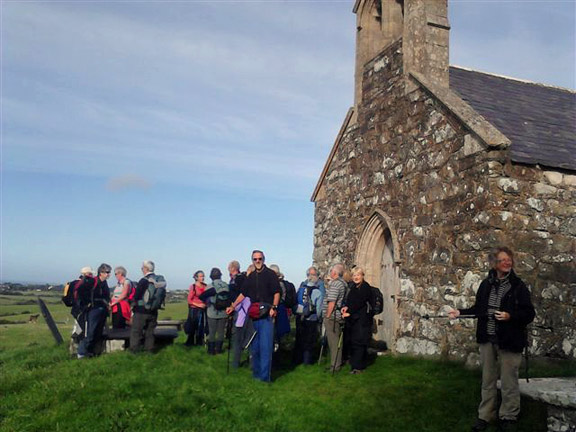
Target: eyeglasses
point(257, 259)
point(107, 272)
point(506, 260)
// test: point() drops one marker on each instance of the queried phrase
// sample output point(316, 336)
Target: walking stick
point(427, 317)
point(322, 343)
point(338, 350)
point(229, 330)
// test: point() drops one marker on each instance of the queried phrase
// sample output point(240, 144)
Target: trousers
point(333, 332)
point(143, 325)
point(507, 369)
point(262, 348)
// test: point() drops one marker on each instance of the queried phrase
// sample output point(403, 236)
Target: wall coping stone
point(560, 392)
point(471, 119)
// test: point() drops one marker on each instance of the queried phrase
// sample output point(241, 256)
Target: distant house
point(436, 165)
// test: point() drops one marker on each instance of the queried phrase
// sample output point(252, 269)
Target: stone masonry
point(451, 199)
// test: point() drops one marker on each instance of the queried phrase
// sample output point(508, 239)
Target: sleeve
point(525, 312)
point(275, 284)
point(245, 286)
point(474, 310)
point(191, 294)
point(140, 288)
point(106, 292)
point(210, 292)
point(318, 299)
point(331, 293)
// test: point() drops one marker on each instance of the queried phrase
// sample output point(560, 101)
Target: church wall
point(451, 201)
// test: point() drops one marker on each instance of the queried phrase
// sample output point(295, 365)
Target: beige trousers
point(507, 370)
point(333, 331)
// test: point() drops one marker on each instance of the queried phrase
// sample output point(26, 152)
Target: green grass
point(180, 389)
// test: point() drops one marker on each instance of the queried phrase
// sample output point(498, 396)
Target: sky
point(192, 132)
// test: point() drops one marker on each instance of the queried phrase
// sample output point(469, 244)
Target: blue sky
point(190, 133)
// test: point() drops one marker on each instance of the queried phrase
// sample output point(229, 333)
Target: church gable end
point(449, 194)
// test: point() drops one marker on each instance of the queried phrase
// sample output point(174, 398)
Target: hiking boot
point(211, 348)
point(480, 425)
point(219, 347)
point(507, 426)
point(356, 371)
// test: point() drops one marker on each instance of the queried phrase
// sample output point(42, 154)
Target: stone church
point(436, 165)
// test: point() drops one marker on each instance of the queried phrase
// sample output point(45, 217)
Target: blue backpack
point(305, 306)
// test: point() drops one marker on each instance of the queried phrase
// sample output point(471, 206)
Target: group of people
point(258, 305)
point(131, 304)
point(259, 302)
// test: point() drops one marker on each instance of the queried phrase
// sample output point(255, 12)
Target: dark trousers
point(240, 337)
point(196, 316)
point(143, 325)
point(358, 354)
point(306, 340)
point(93, 328)
point(118, 320)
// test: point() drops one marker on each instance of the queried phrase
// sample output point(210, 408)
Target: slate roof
point(539, 120)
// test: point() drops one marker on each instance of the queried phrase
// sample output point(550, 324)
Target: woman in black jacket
point(504, 309)
point(358, 320)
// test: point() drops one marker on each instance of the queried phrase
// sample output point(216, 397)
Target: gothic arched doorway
point(378, 254)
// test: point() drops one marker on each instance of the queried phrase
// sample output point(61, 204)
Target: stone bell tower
point(423, 27)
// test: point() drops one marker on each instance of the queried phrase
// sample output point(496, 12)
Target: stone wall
point(451, 200)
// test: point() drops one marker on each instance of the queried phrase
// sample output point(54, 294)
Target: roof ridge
point(515, 79)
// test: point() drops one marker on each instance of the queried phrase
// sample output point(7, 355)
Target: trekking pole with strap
point(427, 317)
point(322, 343)
point(340, 339)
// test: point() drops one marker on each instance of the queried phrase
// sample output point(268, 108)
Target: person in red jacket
point(196, 311)
point(503, 308)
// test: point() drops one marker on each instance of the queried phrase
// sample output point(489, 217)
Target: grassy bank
point(180, 389)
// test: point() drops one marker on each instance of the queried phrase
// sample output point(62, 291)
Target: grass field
point(181, 389)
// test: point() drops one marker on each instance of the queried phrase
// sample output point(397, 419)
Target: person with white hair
point(333, 317)
point(358, 320)
point(144, 321)
point(308, 312)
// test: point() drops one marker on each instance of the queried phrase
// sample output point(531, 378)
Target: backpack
point(376, 302)
point(289, 297)
point(132, 294)
point(70, 296)
point(155, 295)
point(222, 300)
point(305, 306)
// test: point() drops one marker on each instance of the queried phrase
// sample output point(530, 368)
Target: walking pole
point(338, 350)
point(322, 343)
point(230, 322)
point(272, 356)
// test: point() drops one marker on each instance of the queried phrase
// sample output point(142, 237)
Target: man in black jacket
point(504, 310)
point(263, 287)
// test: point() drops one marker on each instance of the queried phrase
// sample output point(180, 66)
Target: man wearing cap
point(262, 287)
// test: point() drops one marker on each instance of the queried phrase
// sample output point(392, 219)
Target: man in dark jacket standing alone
point(263, 287)
point(504, 309)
